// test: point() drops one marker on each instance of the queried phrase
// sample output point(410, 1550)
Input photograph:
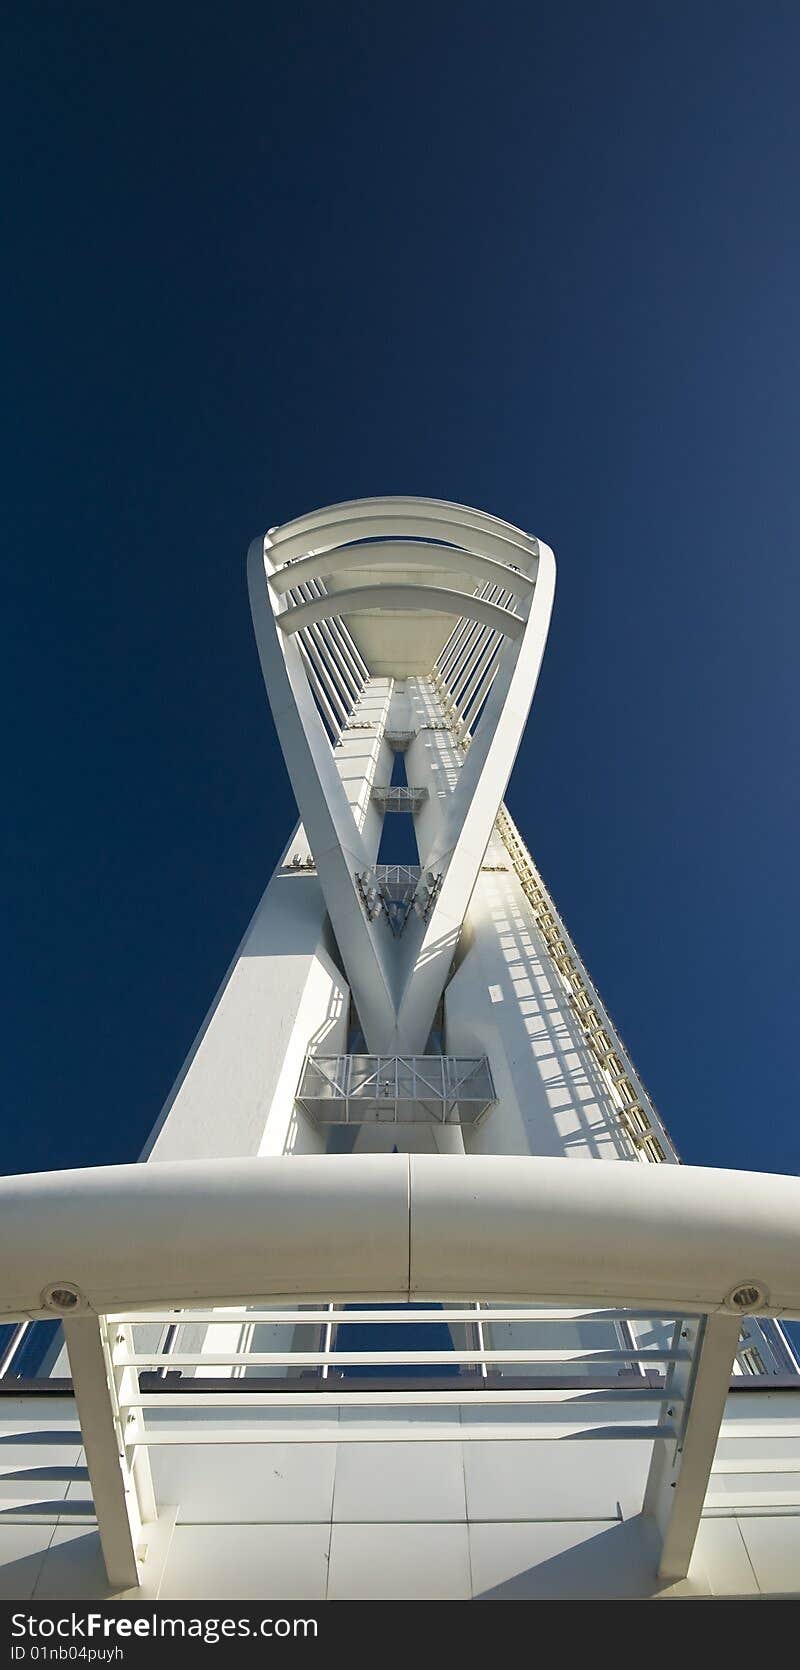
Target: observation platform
point(394, 1089)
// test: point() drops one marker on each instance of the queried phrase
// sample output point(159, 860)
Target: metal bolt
point(63, 1298)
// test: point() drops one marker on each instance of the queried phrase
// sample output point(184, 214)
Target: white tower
point(367, 1233)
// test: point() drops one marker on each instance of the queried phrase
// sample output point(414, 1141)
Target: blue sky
point(544, 260)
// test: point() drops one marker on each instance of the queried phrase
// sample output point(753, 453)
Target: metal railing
point(397, 890)
point(400, 799)
point(668, 1389)
point(626, 1380)
point(395, 1089)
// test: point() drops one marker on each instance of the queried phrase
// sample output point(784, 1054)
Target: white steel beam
point(350, 644)
point(315, 684)
point(330, 652)
point(391, 1359)
point(465, 649)
point(331, 631)
point(680, 1469)
point(406, 598)
point(472, 709)
point(458, 683)
point(489, 655)
point(405, 556)
point(114, 1492)
point(456, 639)
point(323, 665)
point(394, 1226)
point(401, 506)
point(388, 519)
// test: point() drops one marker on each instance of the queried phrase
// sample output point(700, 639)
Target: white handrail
point(397, 1227)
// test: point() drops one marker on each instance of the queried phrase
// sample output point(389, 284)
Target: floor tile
point(550, 1480)
point(22, 1552)
point(399, 1562)
point(247, 1562)
point(579, 1561)
point(402, 1481)
point(773, 1545)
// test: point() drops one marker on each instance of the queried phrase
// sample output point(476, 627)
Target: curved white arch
point(394, 1226)
point(404, 505)
point(436, 600)
point(384, 522)
point(408, 555)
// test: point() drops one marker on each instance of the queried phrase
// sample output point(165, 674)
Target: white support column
point(459, 683)
point(679, 1473)
point(356, 676)
point(322, 660)
point(456, 638)
point(483, 669)
point(471, 710)
point(117, 1502)
point(466, 651)
point(331, 658)
point(334, 723)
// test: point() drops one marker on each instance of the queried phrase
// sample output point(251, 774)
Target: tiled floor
point(248, 1562)
point(399, 1562)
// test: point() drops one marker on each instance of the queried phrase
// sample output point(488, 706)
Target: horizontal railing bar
point(386, 1359)
point(776, 1428)
point(751, 1499)
point(768, 1464)
point(752, 1384)
point(400, 1316)
point(348, 1432)
point(471, 1387)
point(392, 1398)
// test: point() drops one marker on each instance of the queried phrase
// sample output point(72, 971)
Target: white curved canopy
point(675, 1238)
point(408, 556)
point(389, 518)
point(408, 599)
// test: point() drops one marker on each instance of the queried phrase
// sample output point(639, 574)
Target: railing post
point(679, 1471)
point(118, 1503)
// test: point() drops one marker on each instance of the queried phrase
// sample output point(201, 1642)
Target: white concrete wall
point(365, 761)
point(235, 1095)
point(478, 1509)
point(505, 1001)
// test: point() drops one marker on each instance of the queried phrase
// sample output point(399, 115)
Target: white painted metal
point(680, 1469)
point(405, 599)
point(397, 518)
point(390, 1359)
point(541, 1433)
point(12, 1347)
point(116, 1500)
point(401, 1226)
point(406, 556)
point(397, 982)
